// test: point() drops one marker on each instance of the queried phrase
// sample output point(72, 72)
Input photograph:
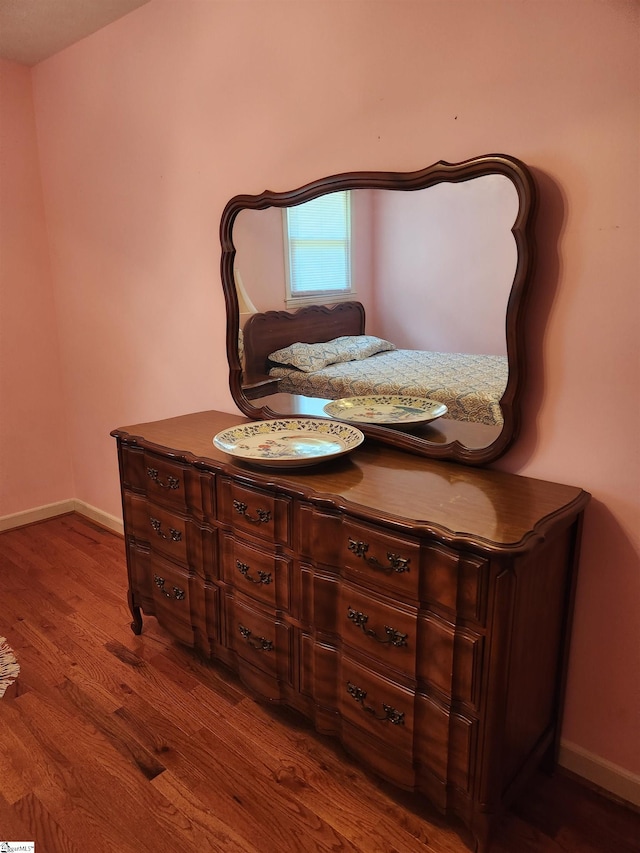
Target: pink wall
point(444, 261)
point(148, 127)
point(35, 462)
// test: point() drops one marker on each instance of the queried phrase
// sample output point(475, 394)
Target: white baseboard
point(41, 513)
point(606, 775)
point(103, 518)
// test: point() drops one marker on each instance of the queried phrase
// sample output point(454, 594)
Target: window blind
point(319, 245)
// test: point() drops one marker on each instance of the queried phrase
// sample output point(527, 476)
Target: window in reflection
point(317, 238)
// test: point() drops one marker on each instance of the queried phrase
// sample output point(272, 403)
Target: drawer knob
point(389, 714)
point(176, 592)
point(262, 516)
point(174, 535)
point(392, 638)
point(396, 563)
point(259, 643)
point(244, 569)
point(172, 482)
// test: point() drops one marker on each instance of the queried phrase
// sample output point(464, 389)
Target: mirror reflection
point(385, 290)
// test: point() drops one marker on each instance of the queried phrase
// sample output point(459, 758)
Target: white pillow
point(311, 357)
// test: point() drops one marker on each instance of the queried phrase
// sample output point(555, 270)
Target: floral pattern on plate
point(290, 442)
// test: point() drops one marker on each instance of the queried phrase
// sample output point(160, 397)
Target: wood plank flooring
point(112, 742)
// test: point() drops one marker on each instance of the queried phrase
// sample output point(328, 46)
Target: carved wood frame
point(523, 232)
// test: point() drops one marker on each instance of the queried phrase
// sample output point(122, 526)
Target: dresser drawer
point(259, 638)
point(456, 581)
point(383, 630)
point(170, 534)
point(444, 750)
point(450, 659)
point(165, 532)
point(261, 514)
point(378, 557)
point(377, 706)
point(257, 572)
point(172, 600)
point(451, 580)
point(175, 597)
point(160, 479)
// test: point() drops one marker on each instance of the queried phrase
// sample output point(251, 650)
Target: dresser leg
point(136, 625)
point(482, 833)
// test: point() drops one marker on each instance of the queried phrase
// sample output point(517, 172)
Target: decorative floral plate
point(386, 410)
point(289, 443)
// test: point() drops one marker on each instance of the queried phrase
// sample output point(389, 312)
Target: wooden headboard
point(272, 330)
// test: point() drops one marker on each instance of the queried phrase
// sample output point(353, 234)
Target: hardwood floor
point(112, 742)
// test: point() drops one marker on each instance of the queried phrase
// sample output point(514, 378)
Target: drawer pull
point(259, 643)
point(396, 563)
point(244, 569)
point(263, 515)
point(174, 534)
point(177, 593)
point(393, 637)
point(172, 482)
point(389, 715)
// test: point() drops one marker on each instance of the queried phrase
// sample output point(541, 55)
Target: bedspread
point(471, 386)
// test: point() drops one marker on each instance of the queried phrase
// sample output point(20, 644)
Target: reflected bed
point(470, 385)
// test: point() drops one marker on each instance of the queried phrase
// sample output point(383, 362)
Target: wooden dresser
point(417, 610)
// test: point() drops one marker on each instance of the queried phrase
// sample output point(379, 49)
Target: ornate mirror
point(375, 284)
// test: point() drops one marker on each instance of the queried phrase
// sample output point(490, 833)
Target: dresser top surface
point(456, 502)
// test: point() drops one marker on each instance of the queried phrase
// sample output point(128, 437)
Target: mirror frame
point(442, 171)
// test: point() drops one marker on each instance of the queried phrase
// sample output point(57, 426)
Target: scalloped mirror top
point(385, 284)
